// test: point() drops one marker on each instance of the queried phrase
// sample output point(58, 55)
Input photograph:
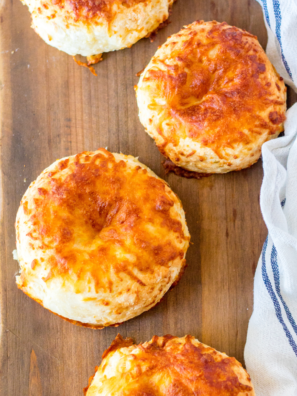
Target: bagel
point(91, 27)
point(210, 98)
point(100, 239)
point(168, 366)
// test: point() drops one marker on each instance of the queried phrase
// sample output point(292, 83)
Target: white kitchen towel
point(271, 347)
point(280, 18)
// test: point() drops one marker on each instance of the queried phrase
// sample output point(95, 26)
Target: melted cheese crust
point(168, 366)
point(100, 238)
point(210, 98)
point(91, 27)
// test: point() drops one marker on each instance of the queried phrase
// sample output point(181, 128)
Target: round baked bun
point(100, 239)
point(210, 98)
point(168, 366)
point(90, 27)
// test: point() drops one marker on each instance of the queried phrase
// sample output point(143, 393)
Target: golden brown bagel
point(210, 98)
point(100, 238)
point(91, 27)
point(168, 366)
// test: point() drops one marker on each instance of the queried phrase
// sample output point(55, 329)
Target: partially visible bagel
point(168, 366)
point(91, 27)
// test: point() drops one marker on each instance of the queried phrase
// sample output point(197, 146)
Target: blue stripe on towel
point(278, 21)
point(275, 300)
point(276, 277)
point(266, 13)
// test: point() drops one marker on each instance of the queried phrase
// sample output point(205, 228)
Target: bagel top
point(91, 27)
point(210, 98)
point(100, 238)
point(168, 366)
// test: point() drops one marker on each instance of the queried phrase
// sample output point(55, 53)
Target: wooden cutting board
point(51, 108)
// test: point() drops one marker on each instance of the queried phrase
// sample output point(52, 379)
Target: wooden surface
point(51, 108)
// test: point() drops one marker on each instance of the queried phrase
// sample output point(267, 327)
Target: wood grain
point(51, 108)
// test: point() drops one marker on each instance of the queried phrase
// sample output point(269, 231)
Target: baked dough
point(210, 98)
point(100, 238)
point(168, 366)
point(91, 27)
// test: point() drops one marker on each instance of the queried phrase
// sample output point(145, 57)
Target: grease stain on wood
point(35, 388)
